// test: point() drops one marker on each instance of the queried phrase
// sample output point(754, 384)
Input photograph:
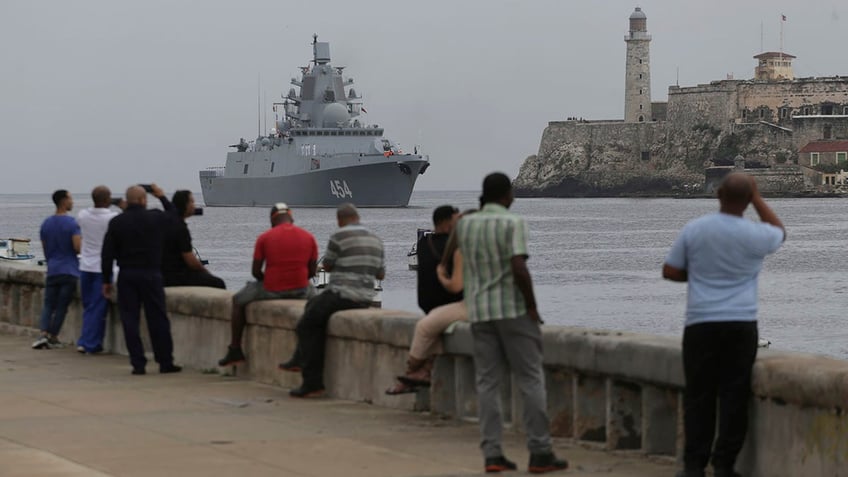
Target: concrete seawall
point(621, 390)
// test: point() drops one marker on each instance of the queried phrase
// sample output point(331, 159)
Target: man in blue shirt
point(60, 239)
point(720, 256)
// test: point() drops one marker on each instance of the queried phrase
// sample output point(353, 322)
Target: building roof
point(773, 54)
point(638, 14)
point(825, 146)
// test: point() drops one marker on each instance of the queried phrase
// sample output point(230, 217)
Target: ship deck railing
point(213, 172)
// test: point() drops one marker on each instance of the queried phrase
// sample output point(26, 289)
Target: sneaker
point(81, 349)
point(55, 343)
point(291, 366)
point(499, 464)
point(692, 473)
point(138, 371)
point(541, 463)
point(41, 343)
point(170, 369)
point(304, 392)
point(234, 356)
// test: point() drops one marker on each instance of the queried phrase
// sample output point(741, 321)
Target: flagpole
point(782, 17)
point(761, 36)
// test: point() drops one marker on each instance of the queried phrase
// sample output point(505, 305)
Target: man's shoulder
point(302, 232)
point(349, 231)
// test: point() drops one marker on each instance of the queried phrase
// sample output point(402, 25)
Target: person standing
point(720, 256)
point(505, 325)
point(180, 266)
point(93, 223)
point(134, 240)
point(60, 241)
point(354, 259)
point(290, 256)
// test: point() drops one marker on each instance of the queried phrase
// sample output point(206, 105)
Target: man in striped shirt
point(505, 325)
point(354, 257)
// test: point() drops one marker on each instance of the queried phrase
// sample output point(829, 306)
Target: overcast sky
point(120, 92)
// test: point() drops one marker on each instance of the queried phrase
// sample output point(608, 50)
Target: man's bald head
point(136, 195)
point(101, 195)
point(347, 214)
point(736, 189)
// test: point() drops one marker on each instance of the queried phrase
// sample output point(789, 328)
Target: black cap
point(443, 212)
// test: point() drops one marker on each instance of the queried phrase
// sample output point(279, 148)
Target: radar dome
point(334, 114)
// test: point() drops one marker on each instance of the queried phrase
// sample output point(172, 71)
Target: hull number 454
point(340, 189)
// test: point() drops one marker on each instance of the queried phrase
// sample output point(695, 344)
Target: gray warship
point(318, 154)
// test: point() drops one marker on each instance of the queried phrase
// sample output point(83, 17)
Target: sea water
point(595, 262)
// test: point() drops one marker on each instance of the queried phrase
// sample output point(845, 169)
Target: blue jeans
point(58, 292)
point(94, 309)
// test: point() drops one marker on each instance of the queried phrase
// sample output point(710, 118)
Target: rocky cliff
point(602, 159)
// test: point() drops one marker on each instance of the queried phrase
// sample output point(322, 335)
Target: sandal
point(409, 381)
point(401, 388)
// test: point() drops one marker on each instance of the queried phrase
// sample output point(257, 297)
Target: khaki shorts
point(254, 291)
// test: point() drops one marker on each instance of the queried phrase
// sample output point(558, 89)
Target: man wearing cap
point(354, 259)
point(290, 256)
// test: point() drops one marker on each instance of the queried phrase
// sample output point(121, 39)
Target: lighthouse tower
point(637, 76)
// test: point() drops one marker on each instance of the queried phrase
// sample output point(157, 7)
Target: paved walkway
point(67, 414)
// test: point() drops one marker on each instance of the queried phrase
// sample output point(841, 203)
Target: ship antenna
point(258, 106)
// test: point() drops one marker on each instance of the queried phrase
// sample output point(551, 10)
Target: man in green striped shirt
point(505, 324)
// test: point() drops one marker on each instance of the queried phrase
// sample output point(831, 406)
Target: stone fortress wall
point(766, 121)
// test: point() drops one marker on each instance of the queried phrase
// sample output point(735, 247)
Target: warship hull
point(378, 184)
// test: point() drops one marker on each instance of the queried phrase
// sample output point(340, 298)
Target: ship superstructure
point(320, 154)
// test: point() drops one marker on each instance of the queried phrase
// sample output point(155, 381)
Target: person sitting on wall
point(354, 258)
point(180, 266)
point(290, 256)
point(440, 300)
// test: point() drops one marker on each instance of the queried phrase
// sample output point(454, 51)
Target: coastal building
point(663, 147)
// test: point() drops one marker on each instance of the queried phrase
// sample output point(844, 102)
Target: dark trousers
point(137, 287)
point(192, 278)
point(312, 334)
point(717, 361)
point(58, 293)
point(94, 309)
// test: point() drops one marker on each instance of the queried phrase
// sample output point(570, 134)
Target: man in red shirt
point(290, 256)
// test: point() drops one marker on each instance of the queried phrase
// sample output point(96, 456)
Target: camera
point(116, 201)
point(147, 188)
point(198, 211)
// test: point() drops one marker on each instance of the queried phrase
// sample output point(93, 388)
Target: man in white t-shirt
point(720, 255)
point(93, 223)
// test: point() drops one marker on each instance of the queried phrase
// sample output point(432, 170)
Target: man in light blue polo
point(505, 325)
point(720, 256)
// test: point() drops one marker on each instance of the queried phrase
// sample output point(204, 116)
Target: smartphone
point(147, 188)
point(198, 211)
point(116, 201)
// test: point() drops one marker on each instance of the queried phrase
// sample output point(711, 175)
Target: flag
point(363, 110)
point(783, 17)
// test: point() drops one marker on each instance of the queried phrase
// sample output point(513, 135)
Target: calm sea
point(595, 262)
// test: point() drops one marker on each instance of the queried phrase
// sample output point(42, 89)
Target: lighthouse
point(637, 76)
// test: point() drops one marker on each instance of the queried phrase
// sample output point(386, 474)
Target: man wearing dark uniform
point(134, 240)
